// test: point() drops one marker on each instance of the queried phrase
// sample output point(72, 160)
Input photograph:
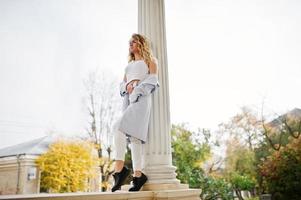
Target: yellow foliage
point(67, 166)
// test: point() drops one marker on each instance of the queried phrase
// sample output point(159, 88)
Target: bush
point(215, 188)
point(241, 182)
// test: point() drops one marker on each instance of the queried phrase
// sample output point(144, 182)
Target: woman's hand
point(129, 87)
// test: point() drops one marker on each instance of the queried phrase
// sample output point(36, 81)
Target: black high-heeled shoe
point(119, 178)
point(138, 182)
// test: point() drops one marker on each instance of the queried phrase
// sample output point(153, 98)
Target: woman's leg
point(121, 171)
point(120, 148)
point(139, 178)
point(137, 156)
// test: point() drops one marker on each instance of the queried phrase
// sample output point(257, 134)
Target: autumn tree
point(240, 167)
point(244, 135)
point(68, 166)
point(239, 159)
point(254, 149)
point(282, 171)
point(278, 156)
point(246, 126)
point(281, 128)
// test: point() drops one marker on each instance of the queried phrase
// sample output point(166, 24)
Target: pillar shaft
point(158, 157)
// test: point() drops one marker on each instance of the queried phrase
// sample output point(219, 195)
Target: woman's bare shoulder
point(154, 60)
point(153, 66)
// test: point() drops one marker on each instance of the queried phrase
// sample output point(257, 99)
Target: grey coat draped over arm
point(136, 107)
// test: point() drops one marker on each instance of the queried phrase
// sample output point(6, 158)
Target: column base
point(161, 174)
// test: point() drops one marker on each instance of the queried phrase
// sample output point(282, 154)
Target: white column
point(158, 158)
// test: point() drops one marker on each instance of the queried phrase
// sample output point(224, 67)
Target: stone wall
point(9, 171)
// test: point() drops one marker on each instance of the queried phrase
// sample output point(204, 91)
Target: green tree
point(190, 151)
point(67, 166)
point(188, 154)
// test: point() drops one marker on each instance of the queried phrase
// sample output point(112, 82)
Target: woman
point(140, 81)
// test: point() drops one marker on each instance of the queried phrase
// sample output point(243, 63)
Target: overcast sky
point(221, 55)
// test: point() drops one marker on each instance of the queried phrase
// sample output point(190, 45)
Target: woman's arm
point(153, 69)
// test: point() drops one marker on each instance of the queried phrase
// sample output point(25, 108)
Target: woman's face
point(133, 46)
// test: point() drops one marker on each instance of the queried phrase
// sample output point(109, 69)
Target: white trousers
point(120, 143)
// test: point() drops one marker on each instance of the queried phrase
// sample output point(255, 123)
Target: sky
point(221, 55)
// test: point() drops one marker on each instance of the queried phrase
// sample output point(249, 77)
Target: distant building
point(18, 171)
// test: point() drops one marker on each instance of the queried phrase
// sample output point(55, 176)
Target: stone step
point(183, 194)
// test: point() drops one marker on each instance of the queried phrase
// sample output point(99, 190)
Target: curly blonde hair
point(143, 47)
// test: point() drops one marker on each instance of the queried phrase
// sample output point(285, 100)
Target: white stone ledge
point(183, 194)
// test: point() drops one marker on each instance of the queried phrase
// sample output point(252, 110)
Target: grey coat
point(137, 107)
